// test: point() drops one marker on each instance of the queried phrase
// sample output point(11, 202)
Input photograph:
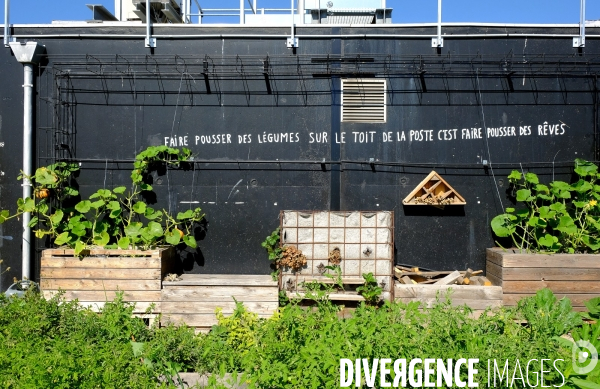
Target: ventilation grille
point(363, 100)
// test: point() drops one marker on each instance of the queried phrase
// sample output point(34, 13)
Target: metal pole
point(242, 15)
point(579, 41)
point(439, 41)
point(582, 23)
point(27, 170)
point(6, 25)
point(150, 42)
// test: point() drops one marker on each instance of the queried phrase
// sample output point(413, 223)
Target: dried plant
point(291, 257)
point(335, 256)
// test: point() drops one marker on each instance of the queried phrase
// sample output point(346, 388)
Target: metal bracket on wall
point(579, 41)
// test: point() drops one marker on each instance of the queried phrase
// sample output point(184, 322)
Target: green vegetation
point(110, 218)
point(54, 344)
point(556, 218)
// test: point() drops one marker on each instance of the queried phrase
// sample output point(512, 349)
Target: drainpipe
point(29, 55)
point(7, 37)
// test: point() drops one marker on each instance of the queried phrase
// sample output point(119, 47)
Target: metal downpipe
point(27, 165)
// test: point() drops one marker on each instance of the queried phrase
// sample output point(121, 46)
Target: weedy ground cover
point(55, 344)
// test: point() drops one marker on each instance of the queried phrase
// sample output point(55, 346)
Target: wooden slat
point(196, 320)
point(101, 262)
point(109, 295)
point(91, 273)
point(507, 259)
point(140, 306)
point(577, 299)
point(495, 280)
point(222, 280)
point(491, 269)
point(332, 296)
point(74, 284)
point(199, 307)
point(327, 280)
point(458, 291)
point(472, 303)
point(556, 286)
point(106, 252)
point(550, 274)
point(220, 293)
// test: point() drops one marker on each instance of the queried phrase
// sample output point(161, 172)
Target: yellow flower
point(593, 203)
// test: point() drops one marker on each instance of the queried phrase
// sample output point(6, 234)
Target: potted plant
point(112, 240)
point(555, 231)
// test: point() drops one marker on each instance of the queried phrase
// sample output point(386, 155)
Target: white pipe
point(292, 13)
point(582, 23)
point(6, 25)
point(27, 170)
point(439, 26)
point(242, 14)
point(147, 22)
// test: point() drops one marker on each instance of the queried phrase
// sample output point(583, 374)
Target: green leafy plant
point(370, 290)
point(109, 218)
point(558, 217)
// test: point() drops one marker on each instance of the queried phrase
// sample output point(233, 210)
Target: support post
point(150, 41)
point(7, 37)
point(242, 12)
point(579, 41)
point(29, 55)
point(292, 42)
point(439, 41)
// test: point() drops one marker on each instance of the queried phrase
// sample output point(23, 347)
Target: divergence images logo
point(585, 357)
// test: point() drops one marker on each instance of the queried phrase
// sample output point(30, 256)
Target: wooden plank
point(106, 252)
point(495, 280)
point(555, 286)
point(196, 320)
point(577, 299)
point(101, 263)
point(222, 280)
point(198, 307)
point(327, 280)
point(505, 259)
point(458, 291)
point(550, 274)
point(332, 296)
point(407, 280)
point(109, 295)
point(220, 293)
point(450, 278)
point(75, 284)
point(141, 274)
point(491, 269)
point(140, 306)
point(472, 303)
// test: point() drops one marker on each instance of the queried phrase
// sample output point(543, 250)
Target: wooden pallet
point(576, 276)
point(101, 273)
point(477, 298)
point(194, 299)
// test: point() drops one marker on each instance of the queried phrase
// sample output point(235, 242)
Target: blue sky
point(405, 11)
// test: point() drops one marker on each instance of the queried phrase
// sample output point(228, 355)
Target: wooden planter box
point(478, 298)
point(194, 298)
point(96, 278)
point(576, 276)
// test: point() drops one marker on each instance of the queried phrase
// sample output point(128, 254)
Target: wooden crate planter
point(365, 240)
point(477, 298)
point(576, 276)
point(194, 299)
point(96, 278)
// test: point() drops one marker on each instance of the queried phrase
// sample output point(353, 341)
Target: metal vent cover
point(363, 100)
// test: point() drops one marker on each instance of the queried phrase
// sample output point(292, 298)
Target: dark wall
point(101, 101)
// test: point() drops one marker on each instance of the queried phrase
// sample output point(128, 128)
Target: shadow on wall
point(190, 256)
